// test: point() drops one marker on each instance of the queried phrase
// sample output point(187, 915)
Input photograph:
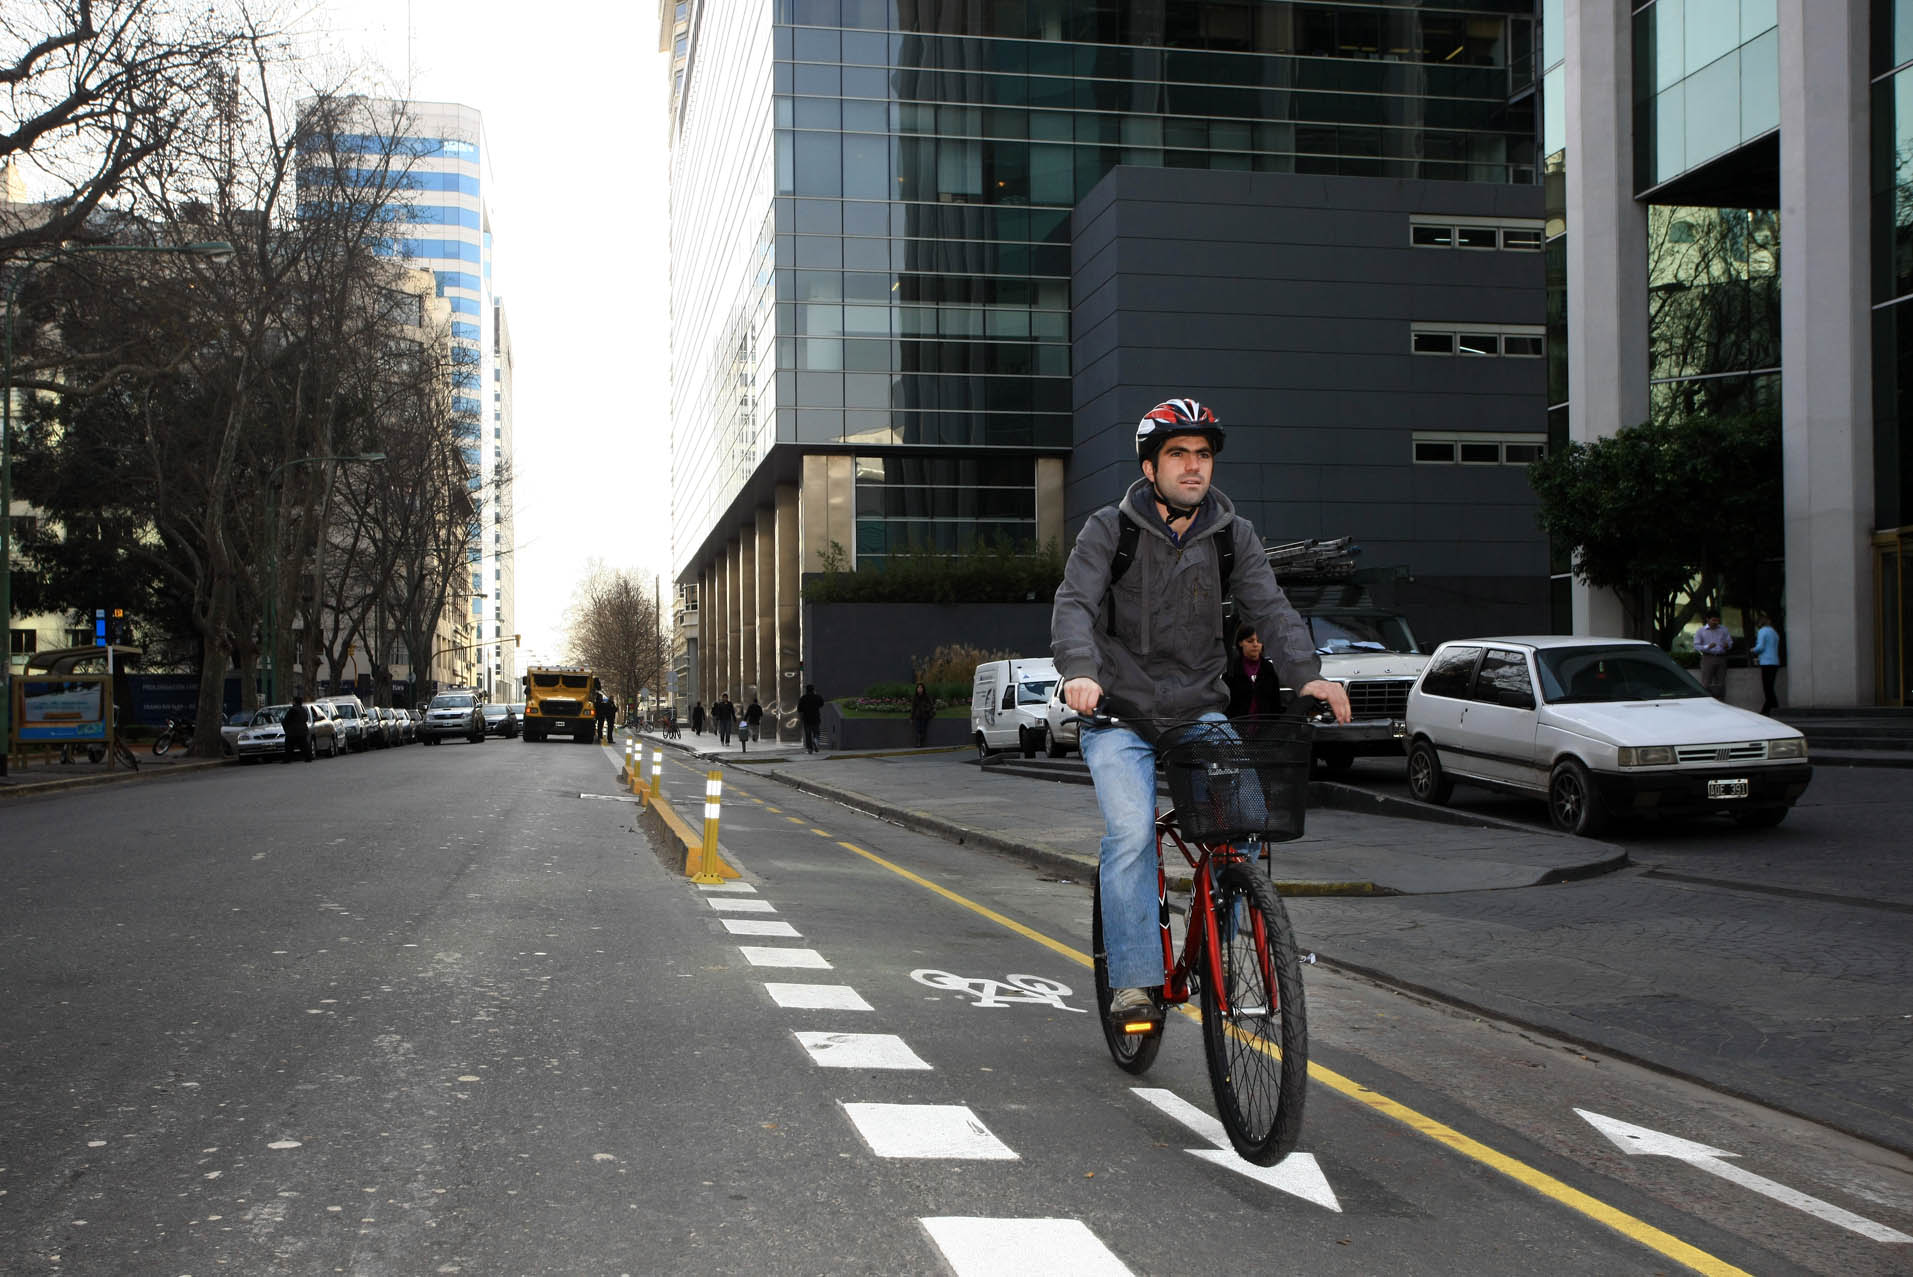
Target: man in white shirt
point(1712, 643)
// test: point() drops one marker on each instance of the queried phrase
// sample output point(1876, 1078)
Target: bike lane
point(957, 986)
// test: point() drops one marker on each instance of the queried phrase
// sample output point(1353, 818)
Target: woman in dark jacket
point(923, 708)
point(1254, 690)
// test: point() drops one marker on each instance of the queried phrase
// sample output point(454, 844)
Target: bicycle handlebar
point(1307, 708)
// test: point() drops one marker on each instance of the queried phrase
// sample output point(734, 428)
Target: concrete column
point(790, 647)
point(720, 624)
point(1826, 341)
point(732, 589)
point(746, 613)
point(1049, 503)
point(1607, 250)
point(829, 510)
point(767, 687)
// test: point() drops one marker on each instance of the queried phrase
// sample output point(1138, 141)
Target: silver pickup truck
point(1371, 652)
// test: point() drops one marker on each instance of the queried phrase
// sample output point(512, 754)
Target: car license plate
point(1726, 789)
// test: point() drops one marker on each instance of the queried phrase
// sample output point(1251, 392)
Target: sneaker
point(1134, 1006)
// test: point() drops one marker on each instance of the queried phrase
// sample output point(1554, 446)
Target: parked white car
point(1060, 733)
point(1597, 727)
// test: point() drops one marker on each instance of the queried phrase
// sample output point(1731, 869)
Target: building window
point(1447, 448)
point(1510, 234)
point(23, 642)
point(1518, 341)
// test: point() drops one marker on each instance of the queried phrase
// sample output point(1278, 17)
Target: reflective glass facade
point(871, 198)
point(1706, 80)
point(1893, 262)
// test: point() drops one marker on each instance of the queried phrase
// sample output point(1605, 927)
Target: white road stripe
point(819, 997)
point(926, 1130)
point(771, 956)
point(752, 927)
point(727, 886)
point(860, 1051)
point(977, 1247)
point(740, 906)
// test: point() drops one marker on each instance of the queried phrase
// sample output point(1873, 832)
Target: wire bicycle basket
point(1226, 789)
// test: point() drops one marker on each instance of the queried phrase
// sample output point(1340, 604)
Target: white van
point(1006, 704)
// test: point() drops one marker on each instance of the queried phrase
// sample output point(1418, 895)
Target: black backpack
point(1127, 535)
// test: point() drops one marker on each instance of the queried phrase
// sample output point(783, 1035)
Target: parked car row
point(338, 725)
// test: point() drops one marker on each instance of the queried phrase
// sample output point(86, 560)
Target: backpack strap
point(1128, 534)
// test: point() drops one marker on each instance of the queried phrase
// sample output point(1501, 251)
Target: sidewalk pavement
point(41, 776)
point(1356, 844)
point(1707, 986)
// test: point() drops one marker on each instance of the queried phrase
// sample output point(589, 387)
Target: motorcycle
point(178, 732)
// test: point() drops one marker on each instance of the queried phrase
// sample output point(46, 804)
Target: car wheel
point(982, 749)
point(1761, 817)
point(1426, 780)
point(1027, 740)
point(1053, 747)
point(1573, 802)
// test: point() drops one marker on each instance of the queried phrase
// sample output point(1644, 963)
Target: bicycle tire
point(1133, 1052)
point(126, 755)
point(1258, 1053)
point(162, 743)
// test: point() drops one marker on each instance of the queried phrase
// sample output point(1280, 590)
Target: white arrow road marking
point(1641, 1142)
point(1298, 1174)
point(978, 1247)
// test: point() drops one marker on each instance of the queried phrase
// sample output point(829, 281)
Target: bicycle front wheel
point(1133, 1052)
point(162, 743)
point(1258, 1046)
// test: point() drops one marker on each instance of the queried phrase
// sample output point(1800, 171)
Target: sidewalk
point(42, 777)
point(1043, 810)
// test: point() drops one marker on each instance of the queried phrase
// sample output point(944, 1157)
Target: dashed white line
point(860, 1051)
point(753, 927)
point(771, 956)
point(817, 997)
point(732, 905)
point(977, 1247)
point(732, 886)
point(926, 1130)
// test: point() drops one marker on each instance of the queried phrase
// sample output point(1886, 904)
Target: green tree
point(1673, 515)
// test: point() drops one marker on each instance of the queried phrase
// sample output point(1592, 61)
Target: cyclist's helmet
point(1174, 417)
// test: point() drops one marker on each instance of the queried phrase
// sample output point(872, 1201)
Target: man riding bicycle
point(1137, 630)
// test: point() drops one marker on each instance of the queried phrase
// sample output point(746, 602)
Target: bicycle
point(176, 733)
point(1238, 953)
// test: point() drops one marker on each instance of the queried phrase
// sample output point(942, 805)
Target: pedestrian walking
point(297, 725)
point(1712, 641)
point(723, 716)
point(697, 718)
point(810, 712)
point(923, 708)
point(1767, 656)
point(753, 721)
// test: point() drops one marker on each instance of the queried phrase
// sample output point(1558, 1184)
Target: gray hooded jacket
point(1157, 651)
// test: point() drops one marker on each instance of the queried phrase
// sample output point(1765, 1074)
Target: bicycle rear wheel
point(1133, 1052)
point(162, 743)
point(1258, 1049)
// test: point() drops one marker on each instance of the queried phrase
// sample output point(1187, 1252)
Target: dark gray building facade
point(1373, 346)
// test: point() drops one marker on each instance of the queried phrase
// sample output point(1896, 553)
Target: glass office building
point(870, 245)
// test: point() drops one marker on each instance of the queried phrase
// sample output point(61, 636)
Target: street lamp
point(271, 539)
point(212, 250)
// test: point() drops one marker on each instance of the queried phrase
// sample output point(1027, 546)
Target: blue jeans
point(1123, 765)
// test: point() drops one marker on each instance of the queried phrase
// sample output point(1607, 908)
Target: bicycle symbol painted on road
point(1009, 990)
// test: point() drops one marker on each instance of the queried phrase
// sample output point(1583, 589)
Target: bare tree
point(96, 92)
point(612, 626)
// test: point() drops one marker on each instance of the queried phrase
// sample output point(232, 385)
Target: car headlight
point(1789, 747)
point(1646, 755)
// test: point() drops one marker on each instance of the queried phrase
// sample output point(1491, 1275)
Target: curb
point(35, 789)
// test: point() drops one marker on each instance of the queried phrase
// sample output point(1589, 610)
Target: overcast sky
point(573, 96)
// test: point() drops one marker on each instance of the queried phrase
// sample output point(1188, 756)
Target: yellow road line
point(1539, 1181)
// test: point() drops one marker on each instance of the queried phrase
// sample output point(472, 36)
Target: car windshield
point(452, 702)
point(1335, 634)
point(270, 714)
point(496, 711)
point(1593, 675)
point(1034, 693)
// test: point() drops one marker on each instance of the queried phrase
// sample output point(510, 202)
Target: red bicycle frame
point(1178, 968)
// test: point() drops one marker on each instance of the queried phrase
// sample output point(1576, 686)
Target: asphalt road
point(439, 1011)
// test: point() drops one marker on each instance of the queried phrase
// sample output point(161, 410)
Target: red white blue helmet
point(1174, 417)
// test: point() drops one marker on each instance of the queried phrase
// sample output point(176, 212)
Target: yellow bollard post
point(626, 773)
point(710, 869)
point(634, 771)
point(657, 771)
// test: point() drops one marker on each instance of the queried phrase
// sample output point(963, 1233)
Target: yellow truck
point(559, 700)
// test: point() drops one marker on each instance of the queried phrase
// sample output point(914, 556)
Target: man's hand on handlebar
point(1333, 694)
point(1083, 695)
